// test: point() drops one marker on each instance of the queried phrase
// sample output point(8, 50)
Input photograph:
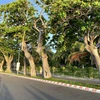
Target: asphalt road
point(14, 88)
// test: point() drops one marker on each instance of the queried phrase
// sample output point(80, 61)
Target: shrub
point(76, 71)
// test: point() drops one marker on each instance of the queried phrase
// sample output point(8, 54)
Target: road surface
point(14, 88)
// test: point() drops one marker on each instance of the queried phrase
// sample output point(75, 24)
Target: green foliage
point(70, 20)
point(39, 70)
point(88, 72)
point(16, 19)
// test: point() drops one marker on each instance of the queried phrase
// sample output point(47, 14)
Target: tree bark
point(46, 68)
point(29, 57)
point(97, 58)
point(1, 65)
point(40, 48)
point(92, 49)
point(8, 66)
point(45, 64)
point(8, 61)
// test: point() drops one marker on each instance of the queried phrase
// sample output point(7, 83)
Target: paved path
point(14, 88)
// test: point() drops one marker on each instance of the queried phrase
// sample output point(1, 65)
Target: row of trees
point(19, 24)
point(72, 23)
point(77, 20)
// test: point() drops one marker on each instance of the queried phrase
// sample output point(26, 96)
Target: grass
point(71, 82)
point(75, 83)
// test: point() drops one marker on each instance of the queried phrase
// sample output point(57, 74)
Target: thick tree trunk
point(1, 65)
point(97, 58)
point(29, 57)
point(8, 61)
point(40, 48)
point(45, 64)
point(46, 68)
point(8, 66)
point(92, 49)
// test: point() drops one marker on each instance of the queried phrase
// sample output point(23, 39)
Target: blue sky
point(5, 1)
point(9, 1)
point(32, 1)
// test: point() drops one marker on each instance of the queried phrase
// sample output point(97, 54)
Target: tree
point(18, 20)
point(74, 21)
point(7, 51)
point(41, 28)
point(29, 57)
point(1, 62)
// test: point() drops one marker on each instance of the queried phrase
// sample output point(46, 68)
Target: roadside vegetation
point(28, 38)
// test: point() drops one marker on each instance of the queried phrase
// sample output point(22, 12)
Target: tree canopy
point(74, 24)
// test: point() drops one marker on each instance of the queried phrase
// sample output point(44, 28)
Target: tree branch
point(40, 19)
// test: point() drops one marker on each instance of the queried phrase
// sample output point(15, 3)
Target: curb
point(59, 83)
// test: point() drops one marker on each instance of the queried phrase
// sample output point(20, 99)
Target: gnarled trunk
point(97, 58)
point(46, 68)
point(8, 61)
point(29, 57)
point(92, 49)
point(40, 49)
point(8, 66)
point(1, 65)
point(45, 64)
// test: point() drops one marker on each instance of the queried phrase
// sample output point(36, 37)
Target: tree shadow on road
point(4, 92)
point(40, 95)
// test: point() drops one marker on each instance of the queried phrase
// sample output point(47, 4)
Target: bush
point(89, 72)
point(39, 69)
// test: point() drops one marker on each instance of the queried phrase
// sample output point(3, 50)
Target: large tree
point(18, 22)
point(40, 25)
point(7, 49)
point(76, 20)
